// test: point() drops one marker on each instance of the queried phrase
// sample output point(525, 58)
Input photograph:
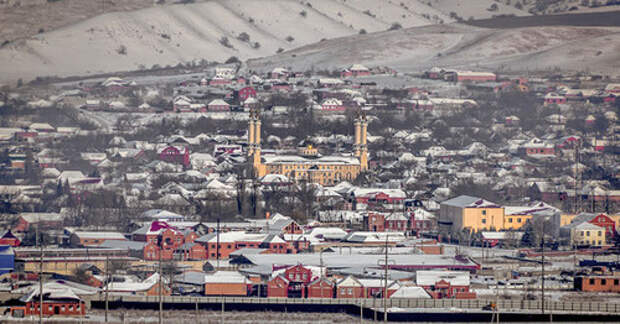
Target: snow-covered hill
point(172, 34)
point(594, 49)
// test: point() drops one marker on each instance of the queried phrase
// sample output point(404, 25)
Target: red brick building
point(350, 287)
point(8, 238)
point(173, 154)
point(445, 284)
point(278, 287)
point(598, 283)
point(320, 288)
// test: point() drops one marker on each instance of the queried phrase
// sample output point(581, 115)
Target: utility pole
point(385, 285)
point(40, 274)
point(107, 284)
point(159, 290)
point(542, 244)
point(218, 245)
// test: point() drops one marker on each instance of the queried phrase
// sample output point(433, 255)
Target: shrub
point(363, 31)
point(280, 50)
point(225, 42)
point(303, 13)
point(256, 45)
point(244, 37)
point(395, 26)
point(122, 50)
point(232, 59)
point(289, 38)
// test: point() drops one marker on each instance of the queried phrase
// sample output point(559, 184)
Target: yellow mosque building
point(309, 165)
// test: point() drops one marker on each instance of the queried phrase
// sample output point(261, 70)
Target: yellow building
point(473, 213)
point(310, 166)
point(517, 216)
point(587, 234)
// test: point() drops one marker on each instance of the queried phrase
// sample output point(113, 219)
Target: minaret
point(251, 133)
point(363, 144)
point(356, 144)
point(257, 162)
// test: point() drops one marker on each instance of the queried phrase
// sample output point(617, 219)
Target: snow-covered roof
point(410, 292)
point(429, 278)
point(226, 277)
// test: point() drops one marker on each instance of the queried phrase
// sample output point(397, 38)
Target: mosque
point(309, 165)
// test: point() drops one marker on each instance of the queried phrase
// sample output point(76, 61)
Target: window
point(484, 221)
point(591, 281)
point(600, 233)
point(484, 212)
point(518, 220)
point(615, 282)
point(509, 220)
point(603, 282)
point(343, 291)
point(600, 243)
point(588, 233)
point(350, 291)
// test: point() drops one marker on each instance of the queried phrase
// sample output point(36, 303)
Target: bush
point(363, 31)
point(395, 26)
point(256, 45)
point(233, 59)
point(122, 50)
point(280, 50)
point(289, 38)
point(244, 37)
point(303, 13)
point(225, 42)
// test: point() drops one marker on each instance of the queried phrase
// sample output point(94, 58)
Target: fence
point(478, 304)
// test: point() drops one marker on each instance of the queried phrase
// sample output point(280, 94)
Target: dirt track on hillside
point(598, 19)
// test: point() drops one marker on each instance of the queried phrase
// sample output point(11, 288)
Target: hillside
point(171, 34)
point(533, 48)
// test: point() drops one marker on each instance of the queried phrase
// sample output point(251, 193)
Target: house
point(374, 288)
point(538, 148)
point(553, 98)
point(474, 213)
point(597, 283)
point(374, 222)
point(278, 287)
point(43, 220)
point(174, 154)
point(192, 251)
point(350, 287)
point(396, 222)
point(471, 76)
point(320, 288)
point(332, 104)
point(218, 105)
point(8, 238)
point(93, 239)
point(61, 302)
point(226, 283)
point(147, 287)
point(181, 104)
point(601, 220)
point(445, 284)
point(190, 281)
point(356, 70)
point(42, 128)
point(280, 73)
point(587, 234)
point(613, 88)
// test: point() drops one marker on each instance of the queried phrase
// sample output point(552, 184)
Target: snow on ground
point(171, 34)
point(416, 49)
point(477, 9)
